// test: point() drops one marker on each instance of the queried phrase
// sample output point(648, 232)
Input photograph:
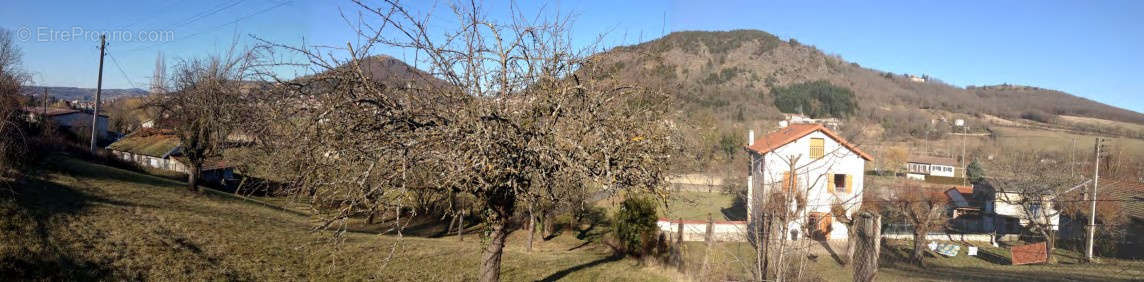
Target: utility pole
point(98, 90)
point(1092, 215)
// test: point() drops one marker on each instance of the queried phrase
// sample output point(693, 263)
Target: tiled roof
point(1129, 193)
point(933, 160)
point(148, 141)
point(793, 132)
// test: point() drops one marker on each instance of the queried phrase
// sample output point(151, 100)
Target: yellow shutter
point(830, 183)
point(849, 184)
point(817, 149)
point(786, 182)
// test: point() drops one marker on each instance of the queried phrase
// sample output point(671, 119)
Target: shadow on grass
point(560, 274)
point(34, 205)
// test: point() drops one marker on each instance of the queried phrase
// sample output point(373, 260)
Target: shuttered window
point(790, 182)
point(817, 149)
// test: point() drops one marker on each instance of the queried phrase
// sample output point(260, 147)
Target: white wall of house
point(812, 177)
point(81, 119)
point(941, 170)
point(152, 162)
point(1009, 204)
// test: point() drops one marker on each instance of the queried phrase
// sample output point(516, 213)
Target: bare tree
point(200, 102)
point(14, 144)
point(923, 208)
point(1030, 181)
point(504, 114)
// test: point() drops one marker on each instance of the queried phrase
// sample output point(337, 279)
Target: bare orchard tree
point(921, 207)
point(200, 101)
point(1036, 187)
point(503, 113)
point(14, 143)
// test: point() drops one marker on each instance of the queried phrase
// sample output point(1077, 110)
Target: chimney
point(783, 124)
point(750, 137)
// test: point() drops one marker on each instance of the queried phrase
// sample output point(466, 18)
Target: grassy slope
point(85, 221)
point(728, 261)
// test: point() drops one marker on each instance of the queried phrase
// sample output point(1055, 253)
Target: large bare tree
point(921, 207)
point(199, 102)
point(1030, 181)
point(504, 113)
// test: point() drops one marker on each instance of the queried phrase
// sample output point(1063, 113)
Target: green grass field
point(84, 221)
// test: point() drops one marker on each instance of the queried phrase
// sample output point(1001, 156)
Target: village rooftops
point(148, 141)
point(793, 132)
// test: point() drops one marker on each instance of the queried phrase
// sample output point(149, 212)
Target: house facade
point(159, 149)
point(809, 160)
point(918, 167)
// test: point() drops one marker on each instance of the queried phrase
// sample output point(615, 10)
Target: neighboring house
point(831, 123)
point(918, 167)
point(915, 78)
point(70, 119)
point(981, 209)
point(159, 148)
point(150, 147)
point(828, 169)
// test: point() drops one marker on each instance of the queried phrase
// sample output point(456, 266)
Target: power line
point(214, 27)
point(124, 73)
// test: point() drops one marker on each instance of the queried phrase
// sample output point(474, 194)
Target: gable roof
point(793, 132)
point(147, 141)
point(933, 160)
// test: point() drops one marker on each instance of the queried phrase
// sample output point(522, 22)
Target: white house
point(826, 168)
point(918, 167)
point(159, 148)
point(71, 119)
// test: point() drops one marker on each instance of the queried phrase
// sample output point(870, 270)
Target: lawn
point(732, 261)
point(84, 221)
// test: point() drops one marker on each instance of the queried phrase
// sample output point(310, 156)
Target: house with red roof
point(813, 162)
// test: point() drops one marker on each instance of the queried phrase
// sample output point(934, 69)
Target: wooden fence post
point(709, 239)
point(679, 246)
point(867, 247)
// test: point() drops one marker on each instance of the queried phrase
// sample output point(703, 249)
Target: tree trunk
point(866, 239)
point(919, 246)
point(531, 228)
point(491, 256)
point(193, 177)
point(461, 227)
point(1050, 242)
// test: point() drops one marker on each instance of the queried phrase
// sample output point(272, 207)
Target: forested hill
point(727, 74)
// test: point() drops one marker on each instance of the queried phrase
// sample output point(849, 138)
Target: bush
point(634, 225)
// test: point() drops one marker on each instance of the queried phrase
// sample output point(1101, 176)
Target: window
point(839, 183)
point(817, 149)
point(790, 182)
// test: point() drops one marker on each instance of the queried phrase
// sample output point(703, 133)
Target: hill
point(732, 72)
point(726, 82)
point(84, 221)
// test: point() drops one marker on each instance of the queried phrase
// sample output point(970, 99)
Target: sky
point(1093, 49)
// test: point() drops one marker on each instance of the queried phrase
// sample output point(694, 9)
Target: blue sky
point(1093, 49)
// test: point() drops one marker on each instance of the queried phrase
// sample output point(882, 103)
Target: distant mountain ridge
point(76, 93)
point(732, 72)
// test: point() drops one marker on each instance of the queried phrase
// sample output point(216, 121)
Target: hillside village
point(696, 156)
